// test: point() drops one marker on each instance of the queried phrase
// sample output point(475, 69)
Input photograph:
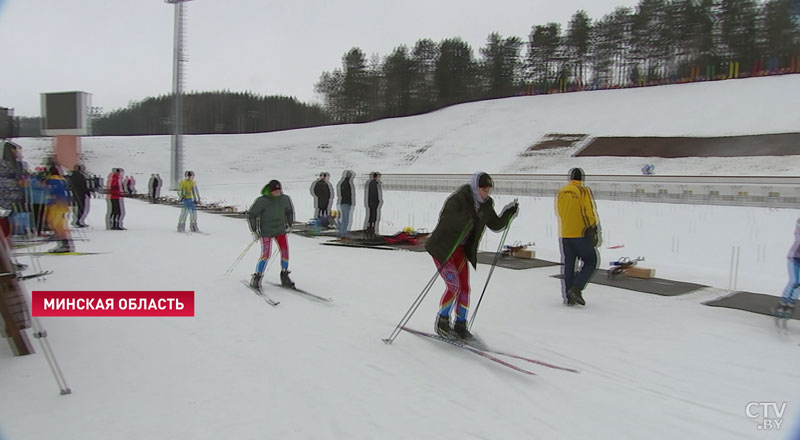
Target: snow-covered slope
point(486, 135)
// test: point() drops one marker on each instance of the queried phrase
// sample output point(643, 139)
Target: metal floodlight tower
point(178, 59)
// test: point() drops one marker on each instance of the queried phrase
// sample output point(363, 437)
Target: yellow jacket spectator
point(58, 210)
point(580, 236)
point(575, 208)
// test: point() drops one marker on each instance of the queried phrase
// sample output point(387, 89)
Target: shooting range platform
point(511, 262)
point(656, 286)
point(309, 232)
point(750, 302)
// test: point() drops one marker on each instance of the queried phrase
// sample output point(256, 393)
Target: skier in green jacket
point(271, 216)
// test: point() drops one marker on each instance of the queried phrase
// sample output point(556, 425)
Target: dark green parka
point(271, 216)
point(460, 219)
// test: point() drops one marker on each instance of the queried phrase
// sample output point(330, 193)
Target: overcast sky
point(121, 50)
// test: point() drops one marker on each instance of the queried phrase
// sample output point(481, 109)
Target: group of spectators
point(323, 191)
point(37, 202)
point(43, 202)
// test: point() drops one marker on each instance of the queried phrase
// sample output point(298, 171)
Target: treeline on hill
point(203, 113)
point(211, 112)
point(661, 42)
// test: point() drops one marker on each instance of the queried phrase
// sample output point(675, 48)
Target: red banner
point(113, 303)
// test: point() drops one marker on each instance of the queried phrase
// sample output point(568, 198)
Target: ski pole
point(41, 334)
point(241, 256)
point(30, 228)
point(415, 305)
point(410, 312)
point(491, 270)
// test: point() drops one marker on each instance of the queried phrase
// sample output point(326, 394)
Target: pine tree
point(355, 88)
point(544, 44)
point(423, 93)
point(398, 71)
point(500, 65)
point(577, 44)
point(738, 31)
point(455, 72)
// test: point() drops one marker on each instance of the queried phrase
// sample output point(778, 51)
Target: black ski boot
point(64, 247)
point(193, 227)
point(255, 281)
point(443, 327)
point(460, 329)
point(285, 280)
point(574, 297)
point(784, 310)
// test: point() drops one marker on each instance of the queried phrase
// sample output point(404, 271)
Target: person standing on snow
point(151, 188)
point(374, 200)
point(578, 229)
point(10, 192)
point(37, 195)
point(188, 195)
point(271, 216)
point(130, 185)
point(116, 210)
point(80, 196)
point(157, 184)
point(346, 201)
point(322, 191)
point(58, 199)
point(787, 302)
point(454, 242)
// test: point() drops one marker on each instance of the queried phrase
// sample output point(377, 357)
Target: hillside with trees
point(658, 42)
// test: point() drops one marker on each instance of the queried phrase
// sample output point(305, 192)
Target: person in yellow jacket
point(189, 195)
point(58, 200)
point(579, 233)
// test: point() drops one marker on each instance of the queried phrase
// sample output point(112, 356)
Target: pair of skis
point(60, 254)
point(35, 275)
point(782, 314)
point(782, 323)
point(260, 293)
point(297, 290)
point(194, 232)
point(31, 276)
point(489, 353)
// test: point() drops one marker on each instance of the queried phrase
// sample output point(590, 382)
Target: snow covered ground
point(650, 366)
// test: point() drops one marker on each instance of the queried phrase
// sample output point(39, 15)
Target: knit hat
point(271, 186)
point(576, 174)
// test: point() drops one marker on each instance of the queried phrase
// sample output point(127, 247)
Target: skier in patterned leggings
point(786, 303)
point(271, 216)
point(454, 242)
